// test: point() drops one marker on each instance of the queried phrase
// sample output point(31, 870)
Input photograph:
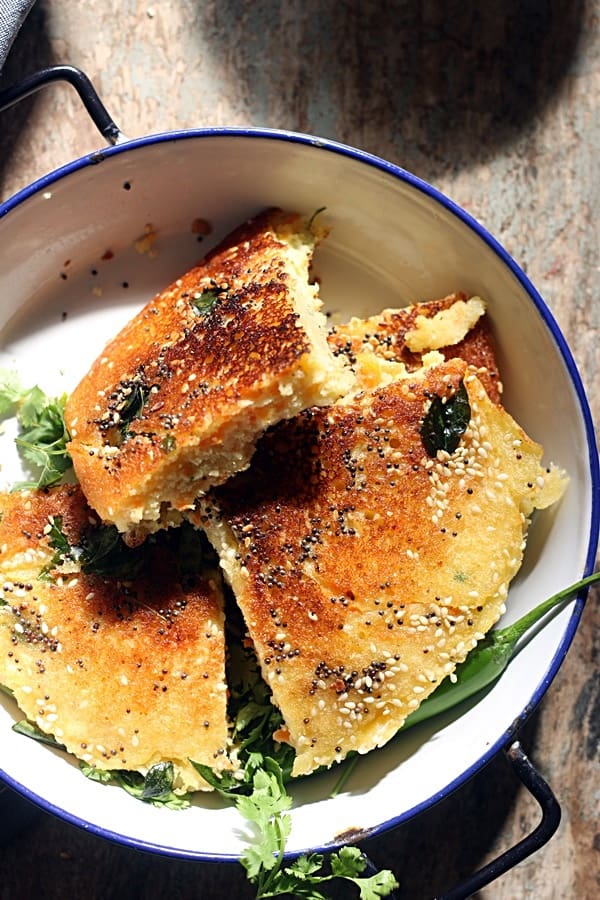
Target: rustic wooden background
point(497, 105)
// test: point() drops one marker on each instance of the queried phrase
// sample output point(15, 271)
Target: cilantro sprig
point(258, 791)
point(266, 808)
point(43, 436)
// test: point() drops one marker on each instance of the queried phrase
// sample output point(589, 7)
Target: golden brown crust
point(203, 364)
point(366, 569)
point(123, 673)
point(385, 334)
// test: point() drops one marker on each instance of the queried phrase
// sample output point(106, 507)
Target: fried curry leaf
point(132, 407)
point(105, 553)
point(158, 783)
point(156, 787)
point(445, 422)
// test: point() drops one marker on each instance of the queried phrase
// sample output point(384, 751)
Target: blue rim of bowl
point(43, 183)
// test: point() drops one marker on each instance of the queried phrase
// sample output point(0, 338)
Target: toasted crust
point(388, 334)
point(123, 674)
point(365, 569)
point(231, 347)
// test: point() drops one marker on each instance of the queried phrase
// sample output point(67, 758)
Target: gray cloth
point(12, 15)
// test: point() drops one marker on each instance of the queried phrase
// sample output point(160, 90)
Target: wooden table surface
point(497, 105)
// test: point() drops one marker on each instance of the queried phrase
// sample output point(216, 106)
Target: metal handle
point(533, 781)
point(84, 87)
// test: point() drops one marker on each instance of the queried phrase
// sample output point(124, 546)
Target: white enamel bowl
point(393, 240)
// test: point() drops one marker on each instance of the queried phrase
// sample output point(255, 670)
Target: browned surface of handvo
point(497, 105)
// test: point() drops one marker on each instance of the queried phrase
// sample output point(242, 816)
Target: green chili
point(488, 660)
point(482, 667)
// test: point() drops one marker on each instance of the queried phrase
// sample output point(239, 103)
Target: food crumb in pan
point(145, 244)
point(201, 227)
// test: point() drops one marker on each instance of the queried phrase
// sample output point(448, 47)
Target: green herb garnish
point(133, 406)
point(204, 301)
point(156, 787)
point(254, 718)
point(483, 666)
point(105, 553)
point(445, 422)
point(43, 436)
point(266, 808)
point(168, 443)
point(32, 731)
point(258, 791)
point(488, 660)
point(64, 551)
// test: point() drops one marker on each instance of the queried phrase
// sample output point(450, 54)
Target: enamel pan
point(73, 270)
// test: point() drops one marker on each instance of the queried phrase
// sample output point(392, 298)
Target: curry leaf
point(156, 787)
point(445, 422)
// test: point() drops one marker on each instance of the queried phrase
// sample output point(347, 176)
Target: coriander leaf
point(348, 862)
point(11, 393)
point(304, 866)
point(290, 884)
point(226, 783)
point(268, 798)
point(381, 884)
point(43, 437)
point(445, 422)
point(266, 808)
point(31, 407)
point(255, 718)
